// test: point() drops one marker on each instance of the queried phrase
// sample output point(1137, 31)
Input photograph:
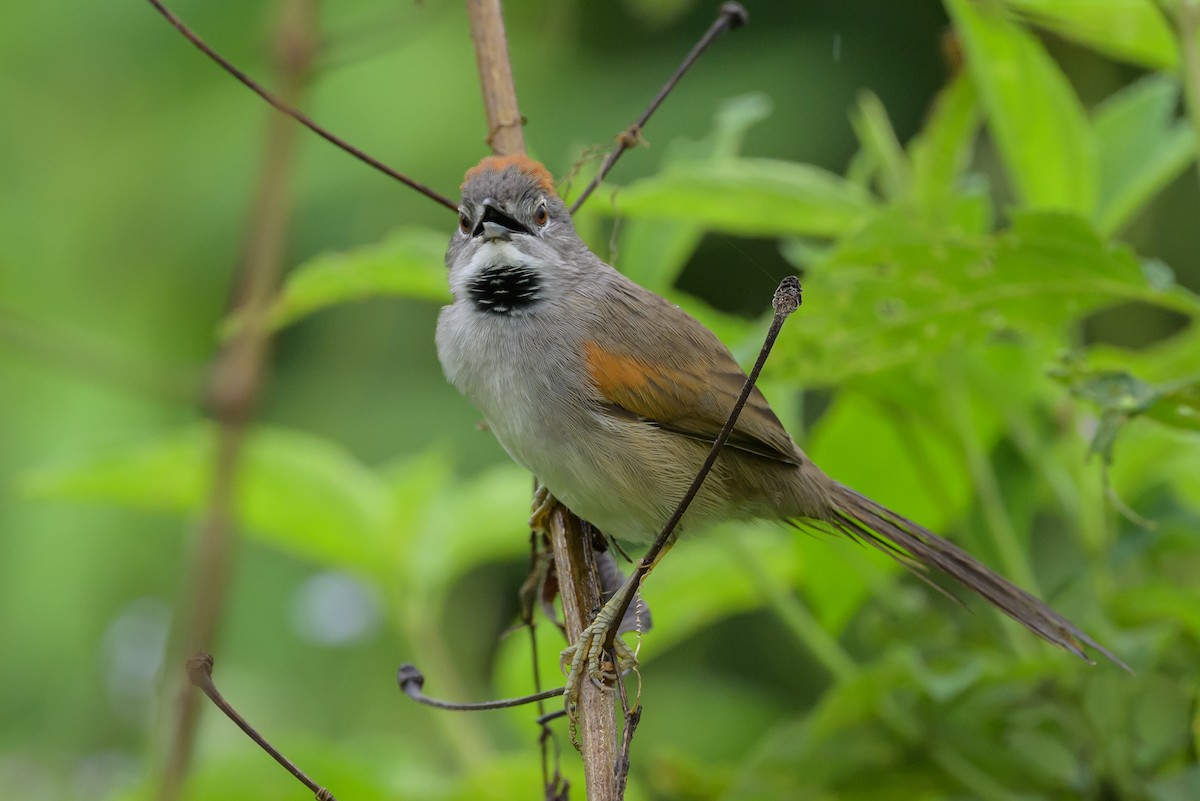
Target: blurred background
point(128, 166)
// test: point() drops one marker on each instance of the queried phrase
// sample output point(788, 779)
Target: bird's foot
point(589, 660)
point(543, 503)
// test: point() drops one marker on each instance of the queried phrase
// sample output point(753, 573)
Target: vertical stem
point(795, 614)
point(1187, 24)
point(575, 566)
point(579, 588)
point(466, 734)
point(235, 384)
point(844, 671)
point(991, 499)
point(505, 136)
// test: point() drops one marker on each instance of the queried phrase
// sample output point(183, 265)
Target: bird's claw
point(543, 503)
point(589, 658)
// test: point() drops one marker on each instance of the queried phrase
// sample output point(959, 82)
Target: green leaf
point(1181, 785)
point(874, 130)
point(654, 251)
point(838, 749)
point(1162, 362)
point(1120, 397)
point(1153, 457)
point(1142, 147)
point(482, 520)
point(914, 467)
point(1034, 115)
point(1196, 729)
point(1129, 30)
point(699, 584)
point(1160, 720)
point(407, 264)
point(941, 152)
point(750, 197)
point(898, 292)
point(441, 527)
point(298, 493)
point(733, 119)
point(1161, 604)
point(1046, 755)
point(1177, 405)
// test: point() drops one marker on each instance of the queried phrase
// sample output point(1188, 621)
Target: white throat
point(492, 253)
point(500, 279)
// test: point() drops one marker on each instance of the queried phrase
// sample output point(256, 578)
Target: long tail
point(861, 518)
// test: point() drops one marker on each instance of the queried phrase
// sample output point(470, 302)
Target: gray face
point(510, 206)
point(513, 240)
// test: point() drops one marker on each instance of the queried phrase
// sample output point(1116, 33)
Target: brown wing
point(657, 363)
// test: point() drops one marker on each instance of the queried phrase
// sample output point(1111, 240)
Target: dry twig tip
point(199, 672)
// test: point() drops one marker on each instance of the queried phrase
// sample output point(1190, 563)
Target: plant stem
point(1187, 25)
point(465, 733)
point(505, 135)
point(783, 600)
point(237, 379)
point(843, 669)
point(575, 565)
point(991, 499)
point(579, 589)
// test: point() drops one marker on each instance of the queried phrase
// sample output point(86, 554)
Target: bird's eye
point(541, 215)
point(464, 224)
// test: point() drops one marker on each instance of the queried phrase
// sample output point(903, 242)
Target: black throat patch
point(504, 288)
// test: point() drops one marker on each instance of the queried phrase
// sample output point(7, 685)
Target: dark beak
point(495, 223)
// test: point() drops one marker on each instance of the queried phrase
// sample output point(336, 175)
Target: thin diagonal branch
point(731, 15)
point(286, 107)
point(787, 300)
point(199, 671)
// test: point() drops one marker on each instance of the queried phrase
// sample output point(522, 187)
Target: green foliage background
point(998, 339)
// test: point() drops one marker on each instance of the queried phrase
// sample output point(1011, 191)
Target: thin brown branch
point(731, 15)
point(199, 672)
point(632, 717)
point(787, 300)
point(284, 105)
point(237, 378)
point(505, 134)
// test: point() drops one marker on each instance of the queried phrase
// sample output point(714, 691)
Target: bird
point(611, 396)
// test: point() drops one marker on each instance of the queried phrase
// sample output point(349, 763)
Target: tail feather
point(861, 518)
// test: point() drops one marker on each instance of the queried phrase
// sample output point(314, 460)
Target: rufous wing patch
point(688, 404)
point(540, 175)
point(615, 375)
point(651, 392)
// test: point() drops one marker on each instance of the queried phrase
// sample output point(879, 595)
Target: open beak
point(494, 223)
